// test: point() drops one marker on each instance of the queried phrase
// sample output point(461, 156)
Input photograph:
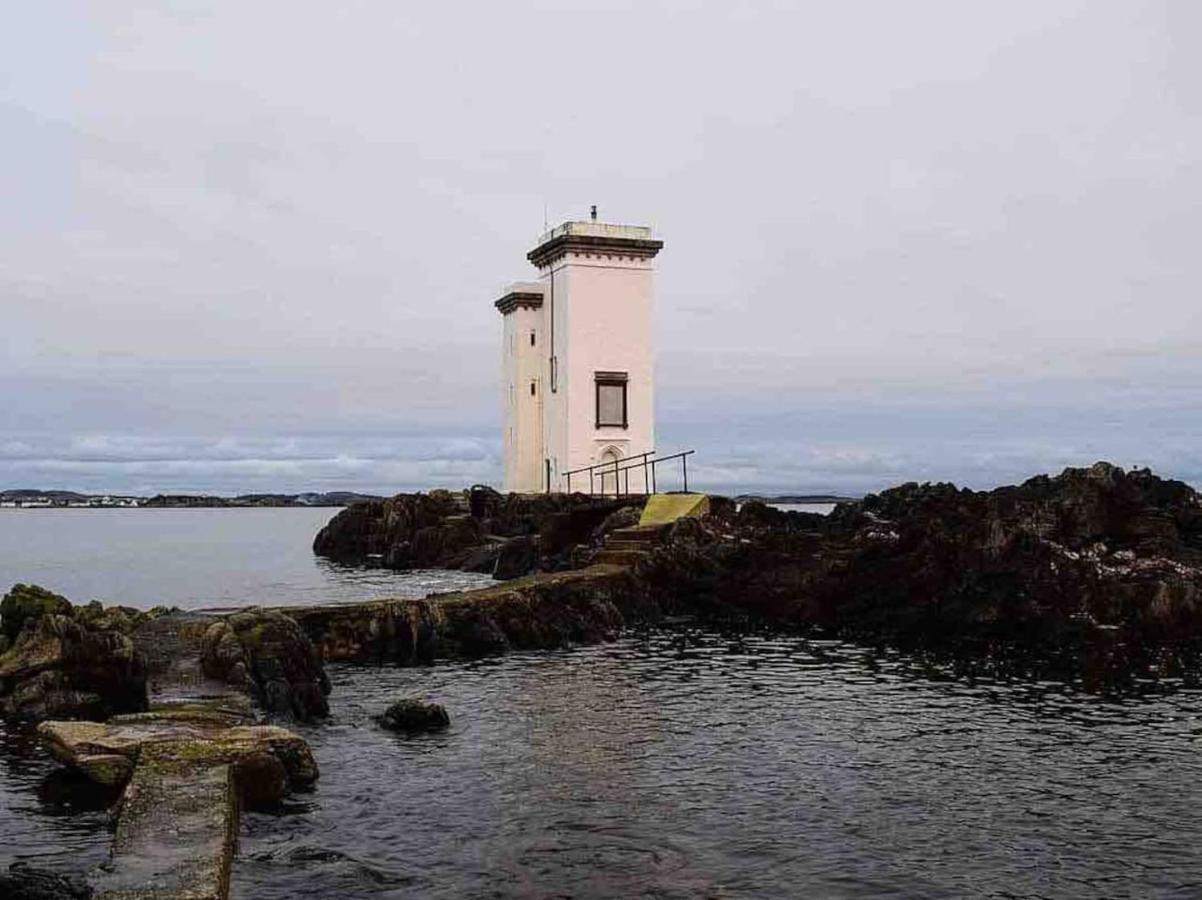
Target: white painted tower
point(578, 361)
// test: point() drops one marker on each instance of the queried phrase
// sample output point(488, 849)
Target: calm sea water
point(687, 762)
point(193, 558)
point(821, 508)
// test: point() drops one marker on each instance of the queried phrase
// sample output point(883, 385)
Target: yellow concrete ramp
point(661, 509)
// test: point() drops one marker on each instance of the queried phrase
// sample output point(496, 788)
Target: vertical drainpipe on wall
point(554, 375)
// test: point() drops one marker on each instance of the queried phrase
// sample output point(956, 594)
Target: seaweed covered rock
point(28, 603)
point(63, 663)
point(266, 653)
point(413, 716)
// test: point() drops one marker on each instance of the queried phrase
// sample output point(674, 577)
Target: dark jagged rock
point(68, 662)
point(516, 557)
point(24, 882)
point(1098, 570)
point(625, 517)
point(454, 531)
point(412, 716)
point(266, 653)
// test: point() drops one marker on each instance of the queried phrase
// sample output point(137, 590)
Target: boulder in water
point(414, 716)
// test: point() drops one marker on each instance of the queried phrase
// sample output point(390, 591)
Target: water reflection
point(686, 761)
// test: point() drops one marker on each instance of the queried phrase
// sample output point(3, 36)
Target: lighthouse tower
point(578, 363)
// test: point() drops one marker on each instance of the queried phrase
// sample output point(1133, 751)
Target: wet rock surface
point(267, 653)
point(482, 530)
point(1095, 571)
point(25, 882)
point(413, 716)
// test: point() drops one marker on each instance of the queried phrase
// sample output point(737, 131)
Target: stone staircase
point(630, 546)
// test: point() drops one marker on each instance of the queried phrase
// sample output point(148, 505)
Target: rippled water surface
point(193, 558)
point(687, 763)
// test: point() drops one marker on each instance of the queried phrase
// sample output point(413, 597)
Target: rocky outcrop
point(92, 662)
point(413, 716)
point(266, 653)
point(1095, 570)
point(508, 535)
point(25, 604)
point(66, 661)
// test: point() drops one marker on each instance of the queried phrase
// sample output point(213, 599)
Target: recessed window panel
point(611, 399)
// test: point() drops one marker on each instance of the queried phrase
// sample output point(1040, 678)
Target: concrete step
point(628, 558)
point(638, 534)
point(611, 544)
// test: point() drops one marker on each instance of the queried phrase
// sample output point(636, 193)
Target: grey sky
point(253, 246)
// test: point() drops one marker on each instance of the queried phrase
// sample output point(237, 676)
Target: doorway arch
point(609, 479)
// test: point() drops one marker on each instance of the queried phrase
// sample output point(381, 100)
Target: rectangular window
point(611, 399)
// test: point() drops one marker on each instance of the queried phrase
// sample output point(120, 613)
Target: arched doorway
point(609, 480)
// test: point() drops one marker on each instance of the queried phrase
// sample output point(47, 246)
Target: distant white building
point(578, 364)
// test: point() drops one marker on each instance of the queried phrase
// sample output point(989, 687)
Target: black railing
point(616, 468)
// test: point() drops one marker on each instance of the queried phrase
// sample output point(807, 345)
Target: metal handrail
point(609, 463)
point(647, 465)
point(605, 468)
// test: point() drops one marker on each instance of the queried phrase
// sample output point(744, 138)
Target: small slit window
point(532, 338)
point(611, 399)
point(532, 389)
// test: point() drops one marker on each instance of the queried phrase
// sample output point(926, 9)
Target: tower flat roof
point(598, 229)
point(594, 237)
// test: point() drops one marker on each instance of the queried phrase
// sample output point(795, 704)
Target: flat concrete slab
point(186, 767)
point(176, 832)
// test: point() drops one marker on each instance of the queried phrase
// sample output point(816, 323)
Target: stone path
point(188, 766)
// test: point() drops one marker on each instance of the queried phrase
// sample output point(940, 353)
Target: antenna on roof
point(593, 212)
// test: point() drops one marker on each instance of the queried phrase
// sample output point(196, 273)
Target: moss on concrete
point(663, 509)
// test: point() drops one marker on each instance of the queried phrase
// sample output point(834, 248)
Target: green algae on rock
point(59, 667)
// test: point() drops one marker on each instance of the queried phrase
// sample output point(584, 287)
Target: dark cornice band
point(554, 249)
point(515, 299)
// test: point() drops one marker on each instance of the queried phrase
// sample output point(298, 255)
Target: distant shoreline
point(35, 499)
point(796, 498)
